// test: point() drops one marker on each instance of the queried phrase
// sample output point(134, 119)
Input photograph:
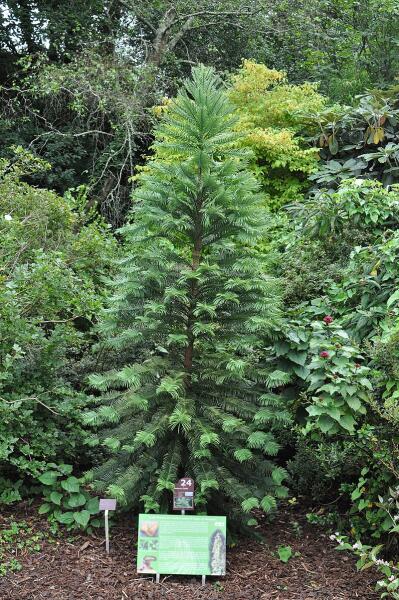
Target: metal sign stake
point(203, 580)
point(106, 531)
point(157, 578)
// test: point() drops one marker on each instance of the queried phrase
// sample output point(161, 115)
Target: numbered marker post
point(183, 495)
point(183, 499)
point(107, 504)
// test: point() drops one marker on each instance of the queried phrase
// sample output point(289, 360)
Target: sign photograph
point(181, 544)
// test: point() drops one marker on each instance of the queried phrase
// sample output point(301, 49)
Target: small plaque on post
point(183, 494)
point(107, 504)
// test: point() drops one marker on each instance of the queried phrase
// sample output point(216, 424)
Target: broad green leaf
point(92, 506)
point(65, 469)
point(82, 517)
point(56, 498)
point(49, 477)
point(301, 372)
point(314, 410)
point(298, 357)
point(325, 423)
point(393, 298)
point(347, 422)
point(66, 518)
point(71, 484)
point(44, 508)
point(354, 403)
point(284, 553)
point(76, 500)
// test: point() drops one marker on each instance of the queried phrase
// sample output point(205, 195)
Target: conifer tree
point(189, 320)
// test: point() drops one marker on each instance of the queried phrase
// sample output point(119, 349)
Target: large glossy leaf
point(49, 477)
point(71, 484)
point(82, 517)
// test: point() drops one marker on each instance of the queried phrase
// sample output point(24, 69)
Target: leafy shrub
point(338, 383)
point(351, 362)
point(318, 468)
point(388, 507)
point(52, 266)
point(65, 500)
point(359, 212)
point(358, 141)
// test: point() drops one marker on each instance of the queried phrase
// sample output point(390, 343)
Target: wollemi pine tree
point(188, 323)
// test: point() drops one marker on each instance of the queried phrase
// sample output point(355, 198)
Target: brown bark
point(161, 37)
point(164, 41)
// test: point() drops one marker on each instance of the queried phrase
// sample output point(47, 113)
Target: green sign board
point(181, 545)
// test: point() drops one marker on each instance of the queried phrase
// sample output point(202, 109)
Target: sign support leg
point(183, 512)
point(203, 580)
point(106, 531)
point(157, 576)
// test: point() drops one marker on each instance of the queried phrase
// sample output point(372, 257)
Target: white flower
point(384, 563)
point(357, 182)
point(356, 546)
point(7, 217)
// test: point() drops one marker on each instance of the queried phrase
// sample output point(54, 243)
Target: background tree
point(192, 310)
point(345, 45)
point(90, 118)
point(79, 82)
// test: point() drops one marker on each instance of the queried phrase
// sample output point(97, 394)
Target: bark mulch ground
point(78, 569)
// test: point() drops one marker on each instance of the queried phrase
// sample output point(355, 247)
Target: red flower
point(324, 354)
point(328, 319)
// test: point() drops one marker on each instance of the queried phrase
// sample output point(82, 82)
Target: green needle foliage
point(189, 321)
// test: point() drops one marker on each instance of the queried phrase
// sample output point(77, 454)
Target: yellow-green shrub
point(269, 110)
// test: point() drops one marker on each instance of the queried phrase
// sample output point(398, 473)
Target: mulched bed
point(79, 569)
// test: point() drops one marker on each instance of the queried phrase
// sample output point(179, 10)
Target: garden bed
point(77, 567)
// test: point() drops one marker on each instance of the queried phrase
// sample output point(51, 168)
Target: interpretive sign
point(181, 545)
point(183, 494)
